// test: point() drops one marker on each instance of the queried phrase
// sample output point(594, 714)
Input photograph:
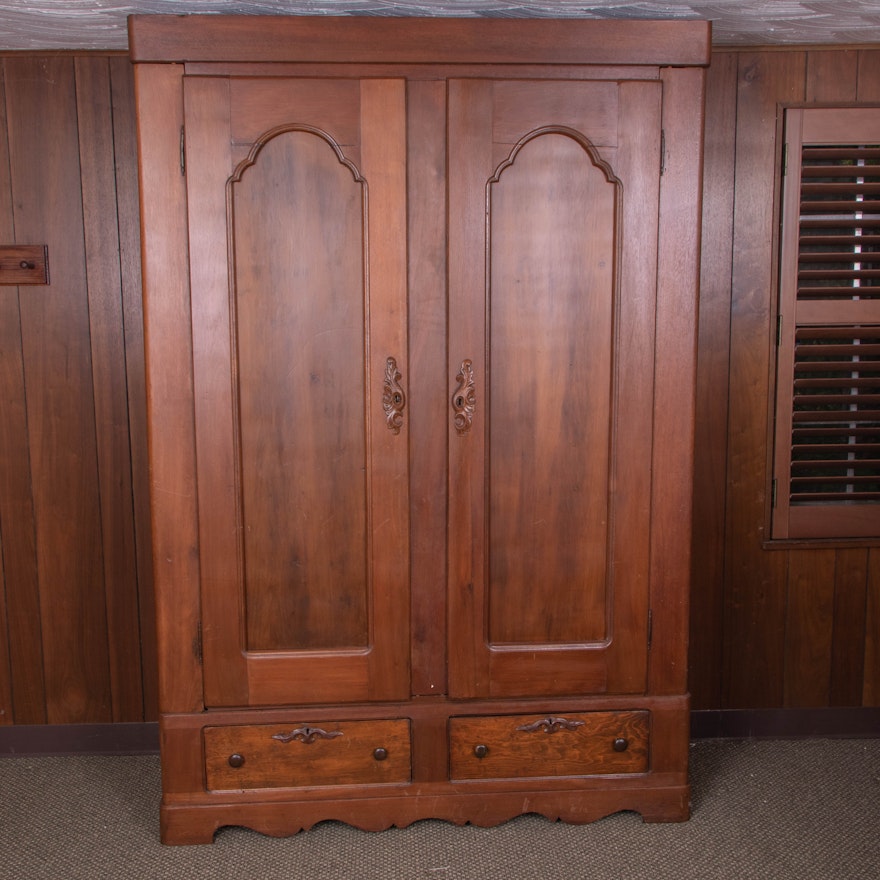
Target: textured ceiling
point(101, 24)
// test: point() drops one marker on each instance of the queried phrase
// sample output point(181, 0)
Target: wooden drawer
point(300, 754)
point(510, 746)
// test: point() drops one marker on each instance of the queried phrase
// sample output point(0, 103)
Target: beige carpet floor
point(769, 810)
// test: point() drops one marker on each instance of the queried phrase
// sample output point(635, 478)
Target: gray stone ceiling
point(101, 24)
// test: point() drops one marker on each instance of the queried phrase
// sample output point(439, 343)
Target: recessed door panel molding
point(296, 284)
point(299, 364)
point(555, 311)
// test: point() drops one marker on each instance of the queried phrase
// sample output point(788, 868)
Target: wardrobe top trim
point(366, 40)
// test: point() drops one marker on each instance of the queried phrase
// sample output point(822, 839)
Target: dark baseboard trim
point(854, 722)
point(80, 739)
point(143, 738)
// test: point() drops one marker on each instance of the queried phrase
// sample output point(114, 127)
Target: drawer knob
point(380, 754)
point(481, 750)
point(236, 760)
point(621, 744)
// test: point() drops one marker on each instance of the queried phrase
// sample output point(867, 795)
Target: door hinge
point(773, 494)
point(182, 151)
point(662, 150)
point(650, 628)
point(779, 329)
point(784, 159)
point(197, 643)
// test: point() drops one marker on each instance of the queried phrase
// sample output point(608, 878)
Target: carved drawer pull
point(464, 399)
point(306, 735)
point(393, 398)
point(550, 724)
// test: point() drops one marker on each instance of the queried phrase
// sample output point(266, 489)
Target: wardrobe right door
point(553, 207)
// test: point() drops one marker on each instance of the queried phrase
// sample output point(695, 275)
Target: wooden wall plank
point(848, 648)
point(8, 312)
point(95, 128)
point(869, 75)
point(809, 619)
point(22, 595)
point(713, 355)
point(871, 683)
point(41, 110)
point(128, 220)
point(755, 580)
point(831, 75)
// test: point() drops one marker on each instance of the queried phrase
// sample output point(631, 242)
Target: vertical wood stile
point(713, 356)
point(426, 189)
point(167, 341)
point(675, 365)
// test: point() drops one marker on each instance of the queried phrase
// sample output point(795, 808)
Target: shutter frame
point(826, 463)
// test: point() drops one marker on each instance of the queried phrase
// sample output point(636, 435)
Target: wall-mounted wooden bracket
point(24, 264)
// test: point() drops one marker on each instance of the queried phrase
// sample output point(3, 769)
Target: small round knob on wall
point(236, 760)
point(620, 744)
point(481, 751)
point(380, 754)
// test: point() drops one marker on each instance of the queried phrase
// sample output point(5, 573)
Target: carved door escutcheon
point(464, 399)
point(393, 398)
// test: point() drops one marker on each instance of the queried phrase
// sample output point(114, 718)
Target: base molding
point(129, 738)
point(197, 823)
point(856, 722)
point(142, 738)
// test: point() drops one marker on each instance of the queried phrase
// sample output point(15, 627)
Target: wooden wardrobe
point(420, 303)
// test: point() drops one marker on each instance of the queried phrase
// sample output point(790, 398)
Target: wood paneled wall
point(772, 626)
point(780, 627)
point(77, 637)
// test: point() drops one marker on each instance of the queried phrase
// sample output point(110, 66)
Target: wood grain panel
point(552, 252)
point(426, 187)
point(713, 357)
point(871, 683)
point(571, 745)
point(95, 127)
point(831, 76)
point(169, 395)
point(10, 392)
point(300, 368)
point(674, 369)
point(809, 618)
point(755, 581)
point(128, 223)
point(44, 158)
point(849, 632)
point(299, 755)
point(868, 88)
point(17, 522)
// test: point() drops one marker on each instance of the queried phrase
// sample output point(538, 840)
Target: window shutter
point(827, 428)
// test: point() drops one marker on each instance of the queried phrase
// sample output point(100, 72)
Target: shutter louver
point(835, 443)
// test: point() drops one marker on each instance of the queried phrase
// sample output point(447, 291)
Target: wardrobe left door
point(296, 192)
